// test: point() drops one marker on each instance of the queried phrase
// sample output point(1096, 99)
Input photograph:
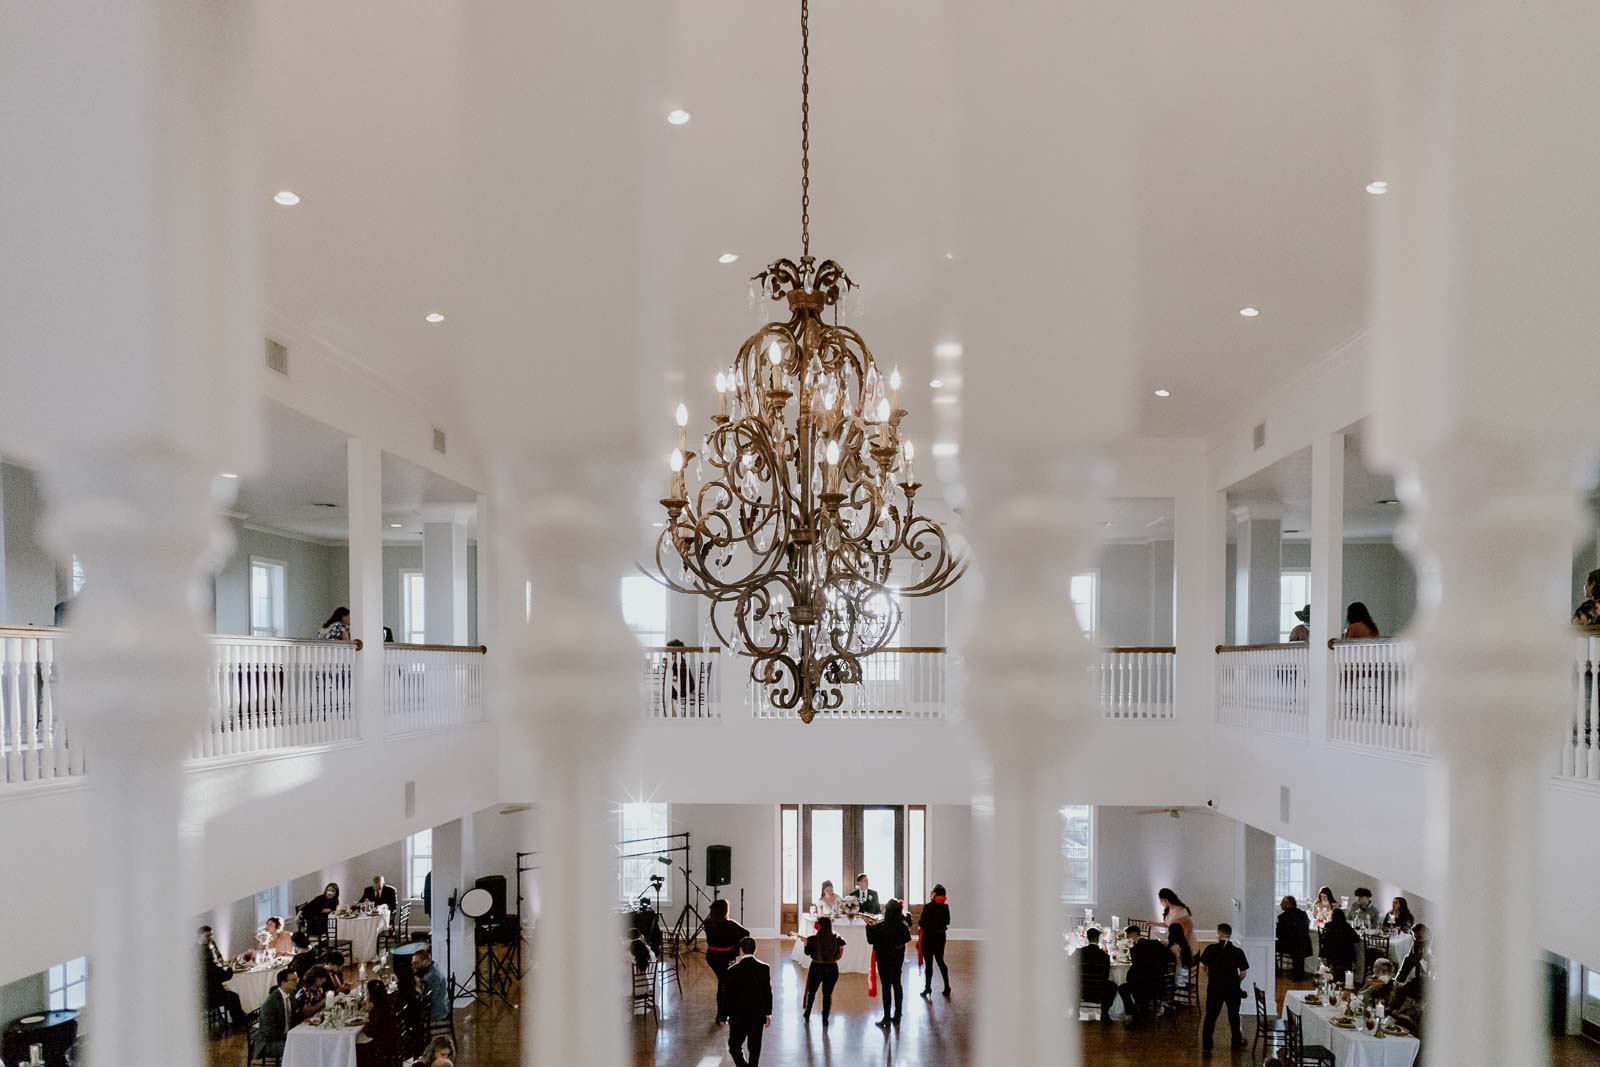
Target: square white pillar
point(1327, 571)
point(444, 582)
point(364, 477)
point(1258, 554)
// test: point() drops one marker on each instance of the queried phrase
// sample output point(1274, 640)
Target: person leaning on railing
point(1588, 613)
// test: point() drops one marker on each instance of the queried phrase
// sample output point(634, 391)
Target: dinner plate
point(1342, 1023)
point(1315, 1002)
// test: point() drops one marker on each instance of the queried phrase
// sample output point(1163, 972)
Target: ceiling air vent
point(277, 357)
point(1259, 435)
point(438, 440)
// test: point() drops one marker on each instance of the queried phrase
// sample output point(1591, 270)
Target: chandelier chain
point(805, 129)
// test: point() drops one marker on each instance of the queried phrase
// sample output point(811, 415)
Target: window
point(644, 606)
point(77, 575)
point(270, 902)
point(1294, 593)
point(636, 822)
point(411, 617)
point(916, 855)
point(1292, 872)
point(790, 831)
point(1086, 601)
point(419, 862)
point(1077, 848)
point(878, 851)
point(267, 580)
point(67, 982)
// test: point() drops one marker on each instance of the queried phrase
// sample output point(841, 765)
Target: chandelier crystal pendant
point(810, 503)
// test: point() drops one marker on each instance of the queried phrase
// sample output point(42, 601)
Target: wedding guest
point(1339, 946)
point(866, 897)
point(824, 948)
point(313, 991)
point(380, 895)
point(378, 1043)
point(1363, 914)
point(1359, 624)
point(337, 628)
point(889, 937)
point(304, 956)
point(933, 928)
point(215, 975)
point(1381, 983)
point(1226, 966)
point(338, 981)
point(1294, 935)
point(279, 940)
point(749, 994)
point(439, 1053)
point(314, 912)
point(279, 1013)
point(1174, 910)
point(1399, 917)
point(722, 947)
point(1588, 613)
point(1420, 957)
point(828, 901)
point(1148, 962)
point(1094, 976)
point(1324, 906)
point(1302, 629)
point(1182, 954)
point(435, 987)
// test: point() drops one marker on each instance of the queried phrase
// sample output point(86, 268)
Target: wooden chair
point(643, 997)
point(398, 931)
point(331, 942)
point(1167, 1003)
point(1271, 1032)
point(1090, 993)
point(1300, 1053)
point(250, 1057)
point(1189, 994)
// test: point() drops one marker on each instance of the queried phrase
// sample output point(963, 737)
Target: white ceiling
point(1286, 485)
point(1256, 156)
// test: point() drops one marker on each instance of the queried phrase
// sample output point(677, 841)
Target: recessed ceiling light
point(1163, 392)
point(678, 116)
point(286, 198)
point(395, 525)
point(936, 383)
point(434, 316)
point(1377, 188)
point(945, 448)
point(229, 474)
point(1249, 313)
point(728, 257)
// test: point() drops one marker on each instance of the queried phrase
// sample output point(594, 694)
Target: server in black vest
point(722, 948)
point(889, 937)
point(749, 994)
point(933, 926)
point(1226, 965)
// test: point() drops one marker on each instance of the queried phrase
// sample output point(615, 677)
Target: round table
point(362, 933)
point(1351, 1048)
point(400, 956)
point(857, 952)
point(1119, 970)
point(55, 1030)
point(254, 985)
point(316, 1046)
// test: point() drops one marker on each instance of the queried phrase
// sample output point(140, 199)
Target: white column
point(364, 476)
point(1488, 304)
point(1258, 563)
point(444, 581)
point(1327, 571)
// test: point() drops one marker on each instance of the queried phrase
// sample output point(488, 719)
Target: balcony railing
point(270, 693)
point(1264, 687)
point(1137, 682)
point(906, 683)
point(429, 687)
point(1372, 702)
point(682, 682)
point(1580, 749)
point(34, 744)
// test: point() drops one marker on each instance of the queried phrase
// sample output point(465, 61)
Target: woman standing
point(337, 628)
point(1175, 911)
point(722, 948)
point(932, 929)
point(1358, 623)
point(889, 937)
point(824, 947)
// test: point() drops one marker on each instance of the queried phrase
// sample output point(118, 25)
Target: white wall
point(25, 996)
point(397, 558)
point(29, 587)
point(318, 580)
point(1136, 594)
point(1376, 573)
point(751, 830)
point(1139, 854)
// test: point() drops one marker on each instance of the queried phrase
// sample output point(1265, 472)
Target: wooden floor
point(936, 1033)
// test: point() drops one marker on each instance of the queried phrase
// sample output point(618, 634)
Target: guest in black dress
point(722, 948)
point(889, 938)
point(314, 912)
point(824, 947)
point(933, 927)
point(1339, 945)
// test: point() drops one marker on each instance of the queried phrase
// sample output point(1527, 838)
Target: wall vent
point(438, 440)
point(1283, 804)
point(277, 357)
point(411, 798)
point(1259, 435)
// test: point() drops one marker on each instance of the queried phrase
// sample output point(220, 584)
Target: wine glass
point(1372, 1022)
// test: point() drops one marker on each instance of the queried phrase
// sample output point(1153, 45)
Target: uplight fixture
point(286, 198)
point(229, 474)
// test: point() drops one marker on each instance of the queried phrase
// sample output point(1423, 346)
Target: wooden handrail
point(1366, 640)
point(919, 649)
point(482, 650)
point(32, 631)
point(1140, 648)
point(235, 639)
point(1259, 648)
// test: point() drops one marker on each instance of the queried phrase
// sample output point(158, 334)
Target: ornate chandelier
point(809, 501)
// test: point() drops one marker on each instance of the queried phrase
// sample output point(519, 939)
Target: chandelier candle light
point(811, 499)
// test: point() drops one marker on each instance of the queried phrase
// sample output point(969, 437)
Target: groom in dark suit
point(748, 986)
point(867, 896)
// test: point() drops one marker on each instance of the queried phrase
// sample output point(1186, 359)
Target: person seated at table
point(377, 894)
point(440, 1051)
point(1094, 975)
point(867, 897)
point(1420, 955)
point(1182, 954)
point(1408, 1002)
point(313, 992)
point(378, 1043)
point(338, 981)
point(1294, 935)
point(1380, 984)
point(279, 1014)
point(314, 912)
point(825, 949)
point(435, 990)
point(1399, 917)
point(1363, 914)
point(1148, 962)
point(828, 900)
point(305, 956)
point(1324, 906)
point(279, 940)
point(1340, 943)
point(215, 975)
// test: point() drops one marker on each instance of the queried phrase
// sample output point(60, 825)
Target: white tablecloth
point(362, 933)
point(310, 1046)
point(253, 986)
point(857, 952)
point(1351, 1048)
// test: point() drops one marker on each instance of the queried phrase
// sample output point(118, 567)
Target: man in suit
point(867, 897)
point(1294, 934)
point(1148, 963)
point(1226, 965)
point(278, 1015)
point(749, 990)
point(1094, 975)
point(378, 893)
point(215, 976)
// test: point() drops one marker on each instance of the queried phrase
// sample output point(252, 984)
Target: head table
point(857, 953)
point(1351, 1048)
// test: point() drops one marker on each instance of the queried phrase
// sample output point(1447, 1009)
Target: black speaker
point(496, 885)
point(719, 864)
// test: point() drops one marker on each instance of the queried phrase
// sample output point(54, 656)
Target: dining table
point(321, 1046)
point(857, 956)
point(362, 930)
point(1120, 963)
point(1353, 1047)
point(255, 981)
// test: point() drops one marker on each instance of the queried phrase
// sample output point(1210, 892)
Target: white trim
point(289, 535)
